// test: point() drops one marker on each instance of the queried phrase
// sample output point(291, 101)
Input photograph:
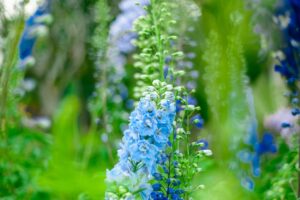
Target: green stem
point(10, 62)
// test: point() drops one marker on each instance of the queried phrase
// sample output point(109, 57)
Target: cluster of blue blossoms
point(255, 148)
point(121, 29)
point(253, 157)
point(288, 17)
point(289, 21)
point(121, 34)
point(120, 46)
point(34, 25)
point(186, 63)
point(143, 144)
point(171, 181)
point(167, 183)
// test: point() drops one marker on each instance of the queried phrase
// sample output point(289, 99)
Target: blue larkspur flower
point(204, 144)
point(248, 183)
point(144, 141)
point(29, 35)
point(119, 46)
point(198, 121)
point(121, 29)
point(255, 148)
point(156, 187)
point(288, 66)
point(157, 195)
point(144, 152)
point(266, 145)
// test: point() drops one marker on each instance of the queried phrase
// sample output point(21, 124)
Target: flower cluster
point(121, 33)
point(112, 43)
point(253, 148)
point(167, 186)
point(34, 27)
point(185, 42)
point(143, 142)
point(253, 157)
point(288, 18)
point(181, 163)
point(121, 29)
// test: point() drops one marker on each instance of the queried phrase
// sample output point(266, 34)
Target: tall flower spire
point(143, 143)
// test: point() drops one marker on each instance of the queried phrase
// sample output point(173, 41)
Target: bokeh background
point(66, 112)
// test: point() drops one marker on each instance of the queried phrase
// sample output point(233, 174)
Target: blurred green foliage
point(23, 156)
point(70, 173)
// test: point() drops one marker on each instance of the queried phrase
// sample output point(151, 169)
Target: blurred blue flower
point(121, 32)
point(157, 176)
point(254, 149)
point(266, 145)
point(156, 187)
point(190, 100)
point(286, 125)
point(166, 71)
point(198, 121)
point(156, 195)
point(248, 183)
point(30, 33)
point(204, 144)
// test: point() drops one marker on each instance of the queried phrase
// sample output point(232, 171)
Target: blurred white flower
point(11, 7)
point(38, 122)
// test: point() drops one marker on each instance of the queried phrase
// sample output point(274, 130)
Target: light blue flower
point(130, 137)
point(148, 127)
point(147, 107)
point(145, 152)
point(162, 117)
point(169, 107)
point(160, 137)
point(144, 143)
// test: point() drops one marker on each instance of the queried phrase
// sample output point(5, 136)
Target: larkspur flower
point(145, 152)
point(204, 144)
point(121, 29)
point(143, 143)
point(198, 121)
point(253, 154)
point(186, 63)
point(153, 150)
point(121, 34)
point(156, 187)
point(34, 25)
point(254, 148)
point(288, 19)
point(111, 63)
point(248, 183)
